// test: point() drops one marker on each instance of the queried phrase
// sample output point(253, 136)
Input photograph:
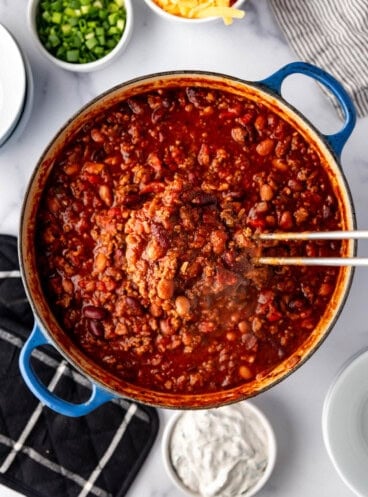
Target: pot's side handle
point(337, 140)
point(98, 395)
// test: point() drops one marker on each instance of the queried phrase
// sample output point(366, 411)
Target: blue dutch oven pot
point(104, 385)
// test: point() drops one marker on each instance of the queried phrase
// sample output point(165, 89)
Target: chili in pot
point(139, 240)
point(145, 239)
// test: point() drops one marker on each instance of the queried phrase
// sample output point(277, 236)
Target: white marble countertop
point(252, 49)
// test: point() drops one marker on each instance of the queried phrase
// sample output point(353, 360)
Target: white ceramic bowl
point(250, 413)
point(345, 423)
point(170, 17)
point(89, 66)
point(13, 84)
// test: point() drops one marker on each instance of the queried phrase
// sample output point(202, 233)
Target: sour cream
point(221, 452)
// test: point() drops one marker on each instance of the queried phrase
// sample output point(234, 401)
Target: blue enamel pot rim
point(267, 92)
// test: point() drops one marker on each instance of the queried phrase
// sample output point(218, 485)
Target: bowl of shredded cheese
point(198, 11)
point(228, 451)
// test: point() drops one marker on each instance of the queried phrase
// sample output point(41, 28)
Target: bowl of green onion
point(81, 35)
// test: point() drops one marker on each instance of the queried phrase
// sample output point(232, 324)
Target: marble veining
point(252, 48)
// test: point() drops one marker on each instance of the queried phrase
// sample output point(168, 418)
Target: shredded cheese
point(199, 9)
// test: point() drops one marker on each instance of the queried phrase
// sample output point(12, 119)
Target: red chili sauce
point(145, 239)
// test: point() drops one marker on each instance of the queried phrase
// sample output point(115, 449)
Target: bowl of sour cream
point(228, 451)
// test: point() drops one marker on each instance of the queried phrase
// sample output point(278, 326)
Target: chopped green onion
point(91, 43)
point(80, 31)
point(46, 16)
point(85, 9)
point(54, 40)
point(56, 6)
point(113, 18)
point(66, 28)
point(56, 17)
point(72, 55)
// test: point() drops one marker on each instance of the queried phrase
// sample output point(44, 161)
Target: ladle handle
point(98, 395)
point(336, 140)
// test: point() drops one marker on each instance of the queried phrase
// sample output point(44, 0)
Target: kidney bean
point(106, 194)
point(97, 136)
point(71, 169)
point(266, 192)
point(265, 147)
point(261, 207)
point(156, 310)
point(197, 96)
point(96, 328)
point(161, 235)
point(53, 204)
point(136, 106)
point(249, 340)
point(100, 262)
point(298, 304)
point(238, 135)
point(203, 198)
point(280, 165)
point(256, 324)
point(154, 250)
point(282, 147)
point(260, 123)
point(245, 372)
point(134, 304)
point(286, 220)
point(243, 326)
point(95, 313)
point(182, 305)
point(165, 288)
point(68, 285)
point(132, 200)
point(166, 327)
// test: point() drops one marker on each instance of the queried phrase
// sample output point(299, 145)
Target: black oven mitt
point(44, 454)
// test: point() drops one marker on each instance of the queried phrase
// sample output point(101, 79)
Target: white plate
point(345, 424)
point(13, 84)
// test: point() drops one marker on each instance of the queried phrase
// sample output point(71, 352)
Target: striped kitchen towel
point(332, 34)
point(44, 454)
